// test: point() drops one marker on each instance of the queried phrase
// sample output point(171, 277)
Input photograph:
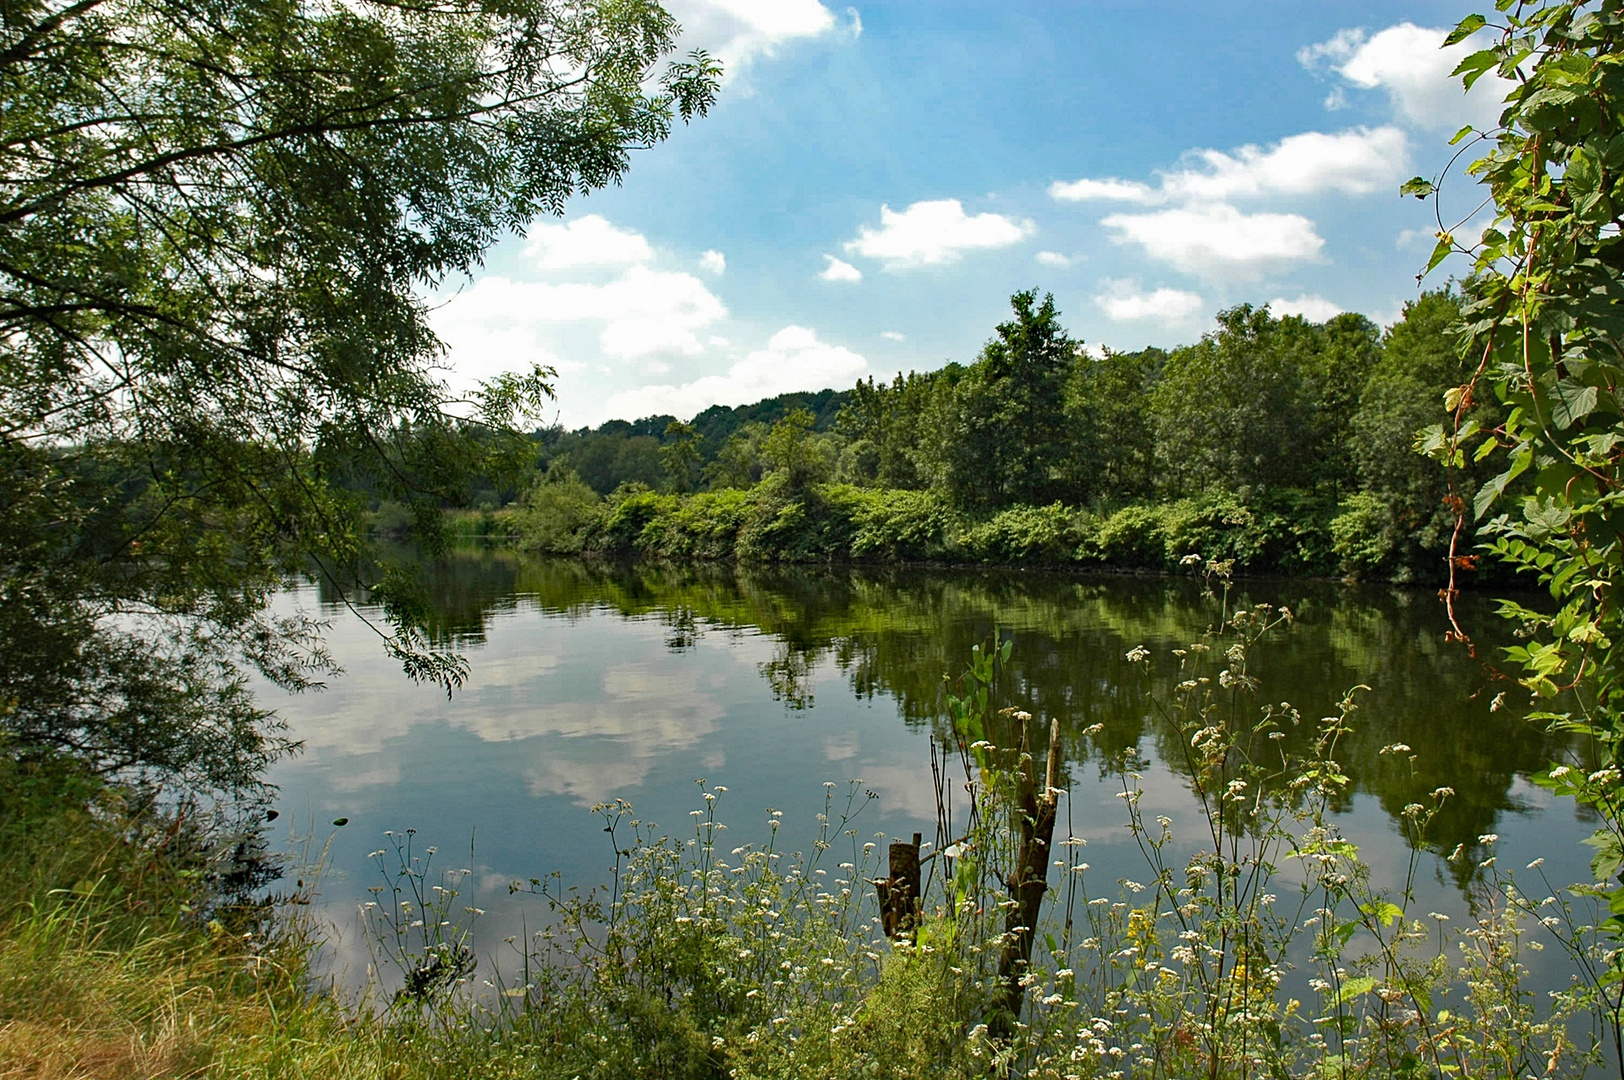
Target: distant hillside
point(719, 421)
point(621, 451)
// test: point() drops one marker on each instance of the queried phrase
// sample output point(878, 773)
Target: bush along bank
point(1288, 532)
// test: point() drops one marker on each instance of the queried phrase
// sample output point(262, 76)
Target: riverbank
point(1285, 533)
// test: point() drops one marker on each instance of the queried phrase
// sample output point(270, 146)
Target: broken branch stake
point(1026, 886)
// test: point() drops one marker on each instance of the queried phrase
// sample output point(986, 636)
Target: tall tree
point(217, 224)
point(793, 454)
point(1110, 408)
point(1230, 411)
point(1419, 362)
point(680, 456)
point(1008, 439)
point(1340, 356)
point(884, 424)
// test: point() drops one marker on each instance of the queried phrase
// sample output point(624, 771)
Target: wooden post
point(899, 893)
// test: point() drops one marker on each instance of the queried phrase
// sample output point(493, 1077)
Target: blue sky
point(877, 180)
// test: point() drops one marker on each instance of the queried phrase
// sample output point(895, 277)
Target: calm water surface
point(594, 682)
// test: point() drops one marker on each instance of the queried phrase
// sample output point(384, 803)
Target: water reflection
point(893, 634)
point(592, 681)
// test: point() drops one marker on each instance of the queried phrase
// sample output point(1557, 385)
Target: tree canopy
point(218, 224)
point(1005, 437)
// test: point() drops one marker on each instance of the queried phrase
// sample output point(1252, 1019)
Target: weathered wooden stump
point(899, 893)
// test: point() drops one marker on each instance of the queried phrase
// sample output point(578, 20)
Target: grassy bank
point(115, 960)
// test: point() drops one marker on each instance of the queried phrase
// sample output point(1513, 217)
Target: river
point(595, 682)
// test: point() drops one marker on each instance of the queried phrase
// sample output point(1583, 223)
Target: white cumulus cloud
point(1355, 162)
point(642, 312)
point(1054, 259)
point(1311, 307)
point(484, 343)
point(1218, 241)
point(1124, 301)
point(739, 32)
point(585, 241)
point(893, 335)
point(1108, 190)
point(793, 359)
point(714, 261)
point(933, 232)
point(1409, 63)
point(839, 270)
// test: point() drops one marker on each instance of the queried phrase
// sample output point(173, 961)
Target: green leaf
point(1571, 402)
point(1613, 155)
point(1488, 493)
point(1382, 911)
point(1583, 175)
point(1472, 67)
point(1418, 186)
point(1440, 251)
point(1546, 517)
point(1352, 988)
point(1465, 29)
point(1609, 855)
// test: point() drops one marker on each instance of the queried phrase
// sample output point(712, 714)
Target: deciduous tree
point(218, 224)
point(1007, 439)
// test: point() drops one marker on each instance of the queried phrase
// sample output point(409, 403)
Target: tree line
point(1277, 423)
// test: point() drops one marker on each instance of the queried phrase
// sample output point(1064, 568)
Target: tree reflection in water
point(895, 633)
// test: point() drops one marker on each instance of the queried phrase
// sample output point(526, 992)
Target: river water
point(595, 682)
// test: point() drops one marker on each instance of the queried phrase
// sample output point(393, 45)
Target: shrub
point(391, 520)
point(704, 526)
point(1214, 527)
point(777, 527)
point(557, 514)
point(1297, 533)
point(1362, 535)
point(1286, 532)
point(1134, 536)
point(631, 521)
point(896, 525)
point(1045, 535)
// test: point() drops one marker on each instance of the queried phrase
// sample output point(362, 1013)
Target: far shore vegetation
point(1285, 446)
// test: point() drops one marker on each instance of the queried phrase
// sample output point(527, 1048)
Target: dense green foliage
point(1006, 438)
point(1284, 445)
point(217, 226)
point(1545, 316)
